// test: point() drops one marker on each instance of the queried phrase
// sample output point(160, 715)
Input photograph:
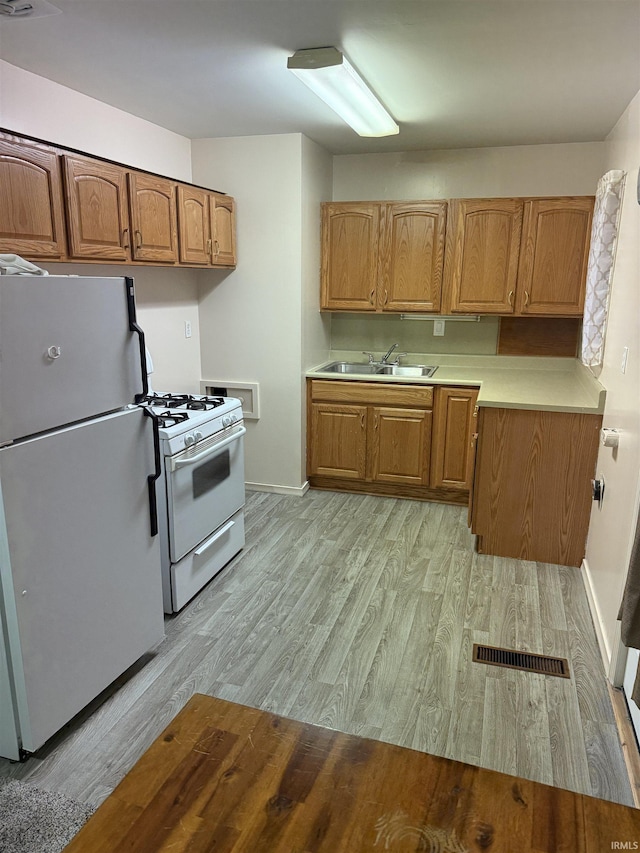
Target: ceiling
point(454, 74)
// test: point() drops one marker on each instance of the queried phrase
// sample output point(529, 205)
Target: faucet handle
point(398, 357)
point(371, 356)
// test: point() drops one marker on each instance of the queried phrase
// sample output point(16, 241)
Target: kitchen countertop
point(511, 382)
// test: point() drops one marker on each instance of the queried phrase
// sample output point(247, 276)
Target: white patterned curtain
point(604, 233)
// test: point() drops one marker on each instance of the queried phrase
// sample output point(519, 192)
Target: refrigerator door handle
point(134, 327)
point(151, 479)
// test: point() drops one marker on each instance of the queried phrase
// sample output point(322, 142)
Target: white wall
point(251, 318)
point(35, 106)
point(317, 176)
point(612, 527)
point(571, 169)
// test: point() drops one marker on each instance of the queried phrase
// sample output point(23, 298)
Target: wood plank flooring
point(359, 613)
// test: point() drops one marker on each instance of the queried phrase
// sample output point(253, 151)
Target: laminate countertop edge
point(509, 382)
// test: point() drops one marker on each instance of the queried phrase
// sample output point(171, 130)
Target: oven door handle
point(191, 460)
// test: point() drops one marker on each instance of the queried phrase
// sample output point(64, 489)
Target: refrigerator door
point(66, 351)
point(84, 578)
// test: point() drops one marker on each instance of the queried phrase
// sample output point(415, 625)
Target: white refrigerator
point(80, 576)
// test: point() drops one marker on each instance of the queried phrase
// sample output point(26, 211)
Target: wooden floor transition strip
point(525, 661)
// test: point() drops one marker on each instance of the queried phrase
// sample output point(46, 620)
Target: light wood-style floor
point(359, 613)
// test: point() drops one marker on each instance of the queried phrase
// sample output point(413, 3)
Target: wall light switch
point(625, 356)
point(187, 328)
point(438, 328)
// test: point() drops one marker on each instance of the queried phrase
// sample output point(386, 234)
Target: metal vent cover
point(514, 659)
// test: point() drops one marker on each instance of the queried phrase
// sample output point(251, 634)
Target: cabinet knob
point(125, 238)
point(510, 297)
point(371, 295)
point(526, 298)
point(138, 235)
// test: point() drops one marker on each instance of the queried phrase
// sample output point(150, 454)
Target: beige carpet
point(36, 821)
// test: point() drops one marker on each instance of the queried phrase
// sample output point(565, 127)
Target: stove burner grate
point(183, 401)
point(169, 419)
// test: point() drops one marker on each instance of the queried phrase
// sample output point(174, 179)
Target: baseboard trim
point(598, 623)
point(295, 491)
point(628, 741)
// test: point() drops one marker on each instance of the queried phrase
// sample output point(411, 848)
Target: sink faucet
point(384, 359)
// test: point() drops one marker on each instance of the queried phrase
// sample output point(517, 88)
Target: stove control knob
point(197, 435)
point(227, 420)
point(189, 440)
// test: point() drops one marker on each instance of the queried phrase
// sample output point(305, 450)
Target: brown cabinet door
point(532, 489)
point(483, 244)
point(194, 224)
point(338, 441)
point(350, 241)
point(553, 259)
point(31, 212)
point(452, 444)
point(153, 218)
point(223, 230)
point(412, 254)
point(400, 441)
point(97, 217)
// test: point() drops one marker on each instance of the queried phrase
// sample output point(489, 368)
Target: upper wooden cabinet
point(349, 272)
point(553, 256)
point(483, 245)
point(98, 219)
point(518, 256)
point(31, 209)
point(152, 203)
point(206, 227)
point(385, 256)
point(194, 223)
point(223, 229)
point(113, 213)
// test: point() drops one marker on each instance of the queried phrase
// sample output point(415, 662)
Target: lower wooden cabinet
point(400, 443)
point(339, 441)
point(377, 438)
point(452, 448)
point(532, 488)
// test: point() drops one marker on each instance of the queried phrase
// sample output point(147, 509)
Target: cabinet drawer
point(373, 393)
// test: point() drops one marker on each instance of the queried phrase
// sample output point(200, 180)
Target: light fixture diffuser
point(330, 75)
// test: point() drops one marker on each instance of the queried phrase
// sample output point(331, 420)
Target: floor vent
point(521, 660)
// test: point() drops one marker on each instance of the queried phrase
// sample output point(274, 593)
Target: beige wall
point(611, 529)
point(251, 318)
point(38, 107)
point(571, 169)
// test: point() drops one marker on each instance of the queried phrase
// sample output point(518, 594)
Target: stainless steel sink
point(379, 369)
point(349, 367)
point(406, 370)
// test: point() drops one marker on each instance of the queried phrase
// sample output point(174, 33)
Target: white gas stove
point(200, 489)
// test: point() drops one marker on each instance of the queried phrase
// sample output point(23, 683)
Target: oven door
point(205, 486)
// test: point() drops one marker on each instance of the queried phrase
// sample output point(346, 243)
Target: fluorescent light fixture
point(328, 73)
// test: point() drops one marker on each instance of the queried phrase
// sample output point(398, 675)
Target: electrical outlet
point(438, 328)
point(187, 328)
